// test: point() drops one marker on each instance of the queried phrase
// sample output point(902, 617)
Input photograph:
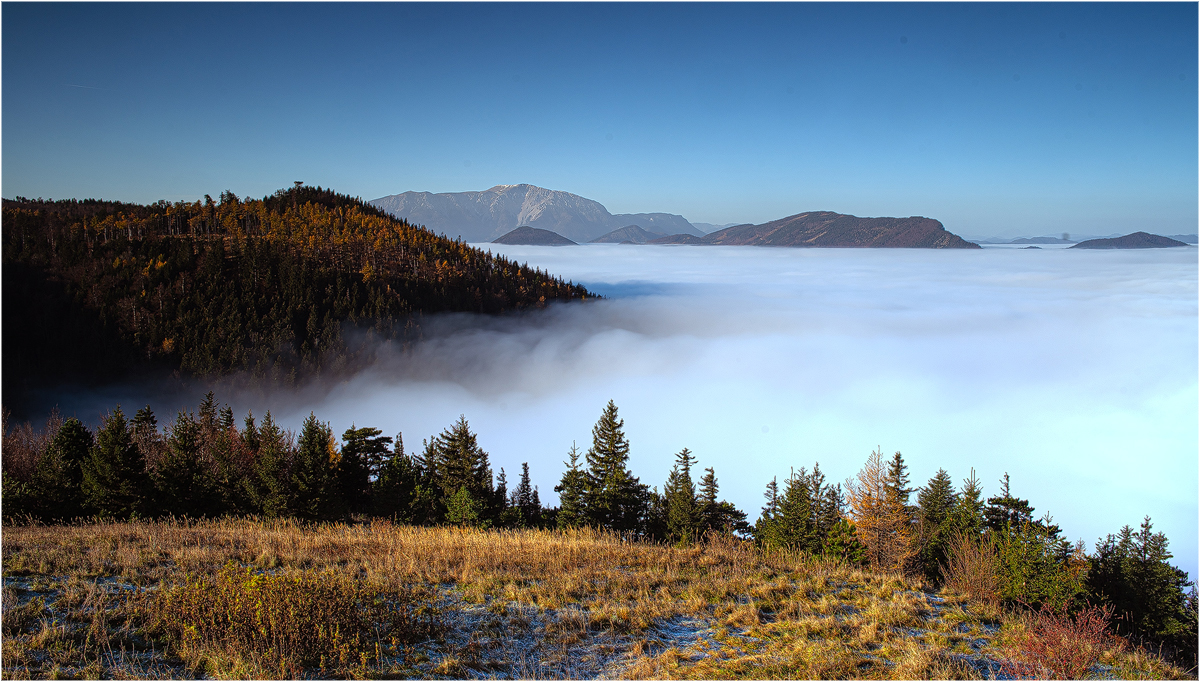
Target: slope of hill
point(1137, 240)
point(828, 229)
point(629, 234)
point(532, 236)
point(483, 216)
point(208, 288)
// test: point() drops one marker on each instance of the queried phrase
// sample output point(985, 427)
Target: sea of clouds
point(1073, 371)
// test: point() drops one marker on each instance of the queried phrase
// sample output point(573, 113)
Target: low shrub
point(971, 568)
point(245, 621)
point(1059, 646)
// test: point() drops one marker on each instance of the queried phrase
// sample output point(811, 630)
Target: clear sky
point(997, 119)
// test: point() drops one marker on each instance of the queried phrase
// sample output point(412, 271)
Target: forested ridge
point(208, 287)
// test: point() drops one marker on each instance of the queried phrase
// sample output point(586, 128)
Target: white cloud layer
point(1075, 372)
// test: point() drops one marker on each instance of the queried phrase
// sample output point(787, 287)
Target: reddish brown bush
point(1056, 645)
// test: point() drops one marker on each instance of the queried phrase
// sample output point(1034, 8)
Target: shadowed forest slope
point(96, 289)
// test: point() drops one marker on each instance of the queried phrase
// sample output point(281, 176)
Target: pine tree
point(315, 476)
point(679, 494)
point(184, 482)
point(394, 492)
point(710, 514)
point(614, 498)
point(1131, 572)
point(524, 501)
point(268, 488)
point(968, 513)
point(363, 453)
point(456, 461)
point(114, 474)
point(572, 511)
point(936, 503)
point(56, 484)
point(1005, 511)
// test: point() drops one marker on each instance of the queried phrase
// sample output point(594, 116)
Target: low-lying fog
point(1073, 371)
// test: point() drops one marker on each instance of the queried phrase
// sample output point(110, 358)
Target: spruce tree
point(183, 480)
point(267, 488)
point(572, 509)
point(394, 490)
point(57, 480)
point(114, 475)
point(710, 516)
point(363, 453)
point(524, 501)
point(1131, 572)
point(455, 460)
point(967, 515)
point(679, 494)
point(936, 503)
point(1005, 512)
point(614, 498)
point(314, 481)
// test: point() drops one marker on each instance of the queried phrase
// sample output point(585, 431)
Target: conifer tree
point(394, 492)
point(572, 512)
point(525, 501)
point(1130, 571)
point(183, 480)
point(968, 512)
point(614, 498)
point(936, 503)
point(455, 461)
point(363, 453)
point(114, 474)
point(679, 495)
point(710, 516)
point(876, 501)
point(55, 488)
point(268, 487)
point(1005, 511)
point(314, 481)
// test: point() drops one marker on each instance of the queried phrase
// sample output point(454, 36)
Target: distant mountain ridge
point(1137, 240)
point(836, 230)
point(532, 236)
point(484, 216)
point(628, 234)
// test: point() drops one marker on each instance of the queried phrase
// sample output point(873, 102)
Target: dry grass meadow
point(274, 599)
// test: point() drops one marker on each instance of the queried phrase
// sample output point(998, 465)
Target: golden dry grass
point(529, 604)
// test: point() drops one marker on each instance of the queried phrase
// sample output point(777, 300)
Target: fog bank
point(1075, 372)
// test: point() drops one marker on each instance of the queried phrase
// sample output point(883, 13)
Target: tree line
point(204, 464)
point(209, 287)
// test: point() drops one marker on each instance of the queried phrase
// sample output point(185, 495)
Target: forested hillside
point(93, 288)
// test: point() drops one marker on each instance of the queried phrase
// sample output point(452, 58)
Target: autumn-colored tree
point(879, 515)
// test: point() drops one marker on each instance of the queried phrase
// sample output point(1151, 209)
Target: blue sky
point(994, 118)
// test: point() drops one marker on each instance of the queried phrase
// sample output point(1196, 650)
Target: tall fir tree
point(936, 503)
point(394, 492)
point(57, 480)
point(614, 498)
point(456, 462)
point(267, 488)
point(114, 482)
point(1005, 511)
point(967, 515)
point(183, 480)
point(524, 501)
point(315, 489)
point(363, 452)
point(572, 488)
point(679, 495)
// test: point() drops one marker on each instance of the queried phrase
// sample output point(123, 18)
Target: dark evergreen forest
point(98, 290)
